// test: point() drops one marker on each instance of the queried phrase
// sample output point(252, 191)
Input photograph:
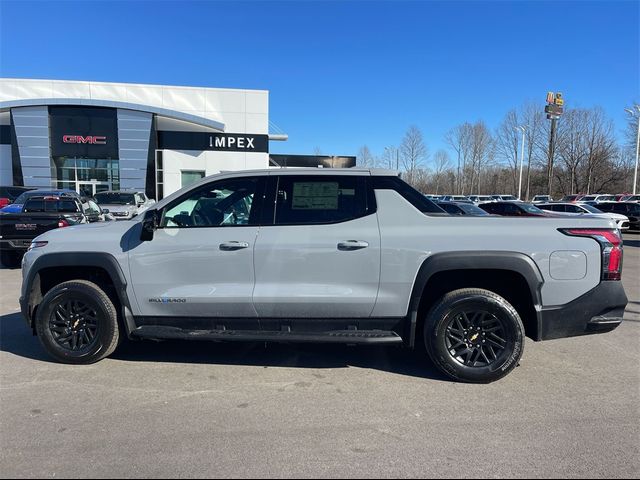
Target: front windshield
point(470, 209)
point(591, 209)
point(531, 209)
point(113, 198)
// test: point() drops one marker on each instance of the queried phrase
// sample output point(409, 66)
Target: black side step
point(336, 336)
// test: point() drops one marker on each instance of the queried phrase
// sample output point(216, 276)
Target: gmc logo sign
point(91, 139)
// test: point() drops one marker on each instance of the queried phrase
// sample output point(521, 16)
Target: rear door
point(321, 256)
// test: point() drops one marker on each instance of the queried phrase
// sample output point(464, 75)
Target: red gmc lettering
point(91, 139)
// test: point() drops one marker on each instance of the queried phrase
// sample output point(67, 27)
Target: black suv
point(630, 209)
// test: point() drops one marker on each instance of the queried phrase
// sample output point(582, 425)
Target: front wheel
point(77, 323)
point(474, 335)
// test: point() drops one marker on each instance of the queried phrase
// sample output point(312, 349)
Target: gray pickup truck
point(340, 256)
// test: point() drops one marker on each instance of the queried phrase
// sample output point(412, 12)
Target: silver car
point(124, 204)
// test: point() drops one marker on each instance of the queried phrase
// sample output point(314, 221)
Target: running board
point(336, 336)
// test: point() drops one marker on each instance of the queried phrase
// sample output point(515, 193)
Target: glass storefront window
point(76, 173)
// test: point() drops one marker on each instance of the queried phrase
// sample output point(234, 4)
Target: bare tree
point(572, 148)
point(459, 138)
point(482, 153)
point(317, 151)
point(534, 121)
point(413, 151)
point(365, 157)
point(441, 161)
point(507, 143)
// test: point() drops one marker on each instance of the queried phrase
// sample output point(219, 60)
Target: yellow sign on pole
point(558, 99)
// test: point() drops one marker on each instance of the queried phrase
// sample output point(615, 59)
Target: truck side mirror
point(149, 225)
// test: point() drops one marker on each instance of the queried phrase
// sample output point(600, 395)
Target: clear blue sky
point(341, 74)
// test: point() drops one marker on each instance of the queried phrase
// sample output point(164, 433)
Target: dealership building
point(94, 136)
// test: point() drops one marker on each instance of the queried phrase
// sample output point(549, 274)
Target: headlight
point(38, 244)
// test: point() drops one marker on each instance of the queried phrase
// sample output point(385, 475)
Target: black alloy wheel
point(474, 335)
point(77, 323)
point(475, 338)
point(74, 324)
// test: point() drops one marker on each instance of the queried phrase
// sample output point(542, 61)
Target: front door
point(200, 260)
point(321, 259)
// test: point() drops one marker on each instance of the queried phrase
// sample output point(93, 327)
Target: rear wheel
point(474, 335)
point(77, 323)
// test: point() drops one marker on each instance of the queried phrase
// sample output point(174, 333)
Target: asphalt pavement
point(180, 409)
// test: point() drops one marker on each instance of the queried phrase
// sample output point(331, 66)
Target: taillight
point(610, 245)
point(62, 223)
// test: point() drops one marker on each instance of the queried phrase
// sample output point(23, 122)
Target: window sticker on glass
point(315, 196)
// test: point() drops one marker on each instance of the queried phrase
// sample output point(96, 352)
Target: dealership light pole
point(636, 114)
point(523, 129)
point(554, 110)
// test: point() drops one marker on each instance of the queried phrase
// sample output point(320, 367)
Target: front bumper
point(598, 311)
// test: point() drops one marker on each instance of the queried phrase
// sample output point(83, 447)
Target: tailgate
point(27, 225)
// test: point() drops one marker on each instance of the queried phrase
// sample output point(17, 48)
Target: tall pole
point(523, 129)
point(635, 173)
point(551, 153)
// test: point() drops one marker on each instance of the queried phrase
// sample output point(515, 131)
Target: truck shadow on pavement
point(16, 338)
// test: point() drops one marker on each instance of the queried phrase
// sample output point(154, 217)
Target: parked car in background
point(542, 199)
point(16, 206)
point(40, 214)
point(124, 204)
point(568, 208)
point(572, 198)
point(8, 195)
point(462, 208)
point(513, 209)
point(630, 209)
point(480, 198)
point(504, 198)
point(630, 198)
point(598, 198)
point(456, 198)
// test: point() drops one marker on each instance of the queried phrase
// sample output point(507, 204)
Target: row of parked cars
point(623, 209)
point(28, 212)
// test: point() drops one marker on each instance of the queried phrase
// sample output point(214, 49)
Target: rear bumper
point(597, 311)
point(15, 244)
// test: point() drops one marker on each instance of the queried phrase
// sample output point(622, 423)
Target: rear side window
point(410, 194)
point(45, 205)
point(309, 200)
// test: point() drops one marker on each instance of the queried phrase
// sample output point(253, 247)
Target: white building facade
point(93, 136)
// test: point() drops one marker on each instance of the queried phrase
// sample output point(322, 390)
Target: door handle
point(350, 245)
point(231, 246)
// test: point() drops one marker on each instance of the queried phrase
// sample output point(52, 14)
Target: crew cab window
point(219, 204)
point(308, 200)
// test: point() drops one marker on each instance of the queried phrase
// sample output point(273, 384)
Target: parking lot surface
point(571, 409)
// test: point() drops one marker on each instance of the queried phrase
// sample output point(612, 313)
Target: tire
point(94, 314)
point(474, 335)
point(10, 259)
